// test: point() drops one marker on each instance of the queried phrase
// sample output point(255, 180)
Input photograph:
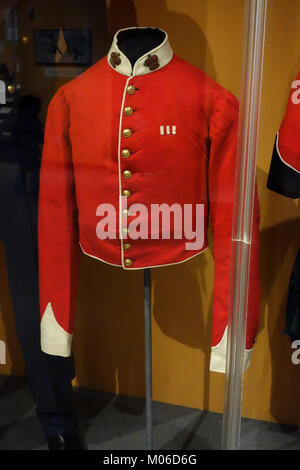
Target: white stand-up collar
point(152, 61)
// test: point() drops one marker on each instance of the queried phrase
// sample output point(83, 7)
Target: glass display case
point(146, 254)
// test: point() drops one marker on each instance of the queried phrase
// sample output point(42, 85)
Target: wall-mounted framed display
point(62, 46)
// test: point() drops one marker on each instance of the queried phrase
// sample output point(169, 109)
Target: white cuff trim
point(218, 355)
point(54, 339)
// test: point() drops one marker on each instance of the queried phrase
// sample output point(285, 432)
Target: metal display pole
point(148, 356)
point(254, 34)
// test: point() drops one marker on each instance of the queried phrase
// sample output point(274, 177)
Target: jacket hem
point(146, 266)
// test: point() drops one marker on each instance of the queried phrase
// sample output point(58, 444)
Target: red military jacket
point(284, 174)
point(140, 128)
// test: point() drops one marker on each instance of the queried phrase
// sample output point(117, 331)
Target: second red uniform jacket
point(142, 128)
point(284, 174)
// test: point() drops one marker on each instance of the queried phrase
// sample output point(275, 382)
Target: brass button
point(125, 230)
point(125, 153)
point(128, 262)
point(25, 39)
point(126, 132)
point(126, 193)
point(127, 174)
point(127, 246)
point(131, 89)
point(11, 89)
point(125, 212)
point(128, 111)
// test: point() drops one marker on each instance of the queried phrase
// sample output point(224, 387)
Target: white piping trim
point(280, 156)
point(144, 267)
point(55, 340)
point(99, 259)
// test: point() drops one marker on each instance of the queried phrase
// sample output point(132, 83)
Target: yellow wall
point(109, 345)
point(272, 386)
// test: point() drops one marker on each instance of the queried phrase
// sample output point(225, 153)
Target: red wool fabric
point(82, 167)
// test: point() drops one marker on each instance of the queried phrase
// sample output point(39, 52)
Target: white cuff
point(218, 356)
point(54, 339)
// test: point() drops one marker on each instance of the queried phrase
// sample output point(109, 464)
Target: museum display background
point(109, 330)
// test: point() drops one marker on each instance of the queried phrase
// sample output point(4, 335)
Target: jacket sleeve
point(284, 174)
point(59, 250)
point(222, 167)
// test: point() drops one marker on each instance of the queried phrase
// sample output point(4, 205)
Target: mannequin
point(137, 42)
point(49, 378)
point(142, 127)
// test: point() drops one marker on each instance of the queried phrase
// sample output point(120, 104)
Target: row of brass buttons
point(128, 111)
point(126, 246)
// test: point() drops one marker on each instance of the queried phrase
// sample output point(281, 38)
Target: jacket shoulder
point(192, 73)
point(85, 79)
point(203, 87)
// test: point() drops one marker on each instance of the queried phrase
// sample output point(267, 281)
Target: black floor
point(109, 422)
